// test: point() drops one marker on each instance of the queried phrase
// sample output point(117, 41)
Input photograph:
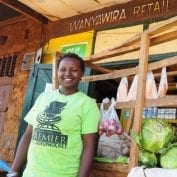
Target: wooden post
point(140, 98)
point(130, 120)
point(55, 82)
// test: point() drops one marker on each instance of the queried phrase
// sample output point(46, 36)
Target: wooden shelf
point(171, 121)
point(116, 167)
point(141, 43)
point(167, 101)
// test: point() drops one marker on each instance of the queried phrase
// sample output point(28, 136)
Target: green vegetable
point(120, 159)
point(169, 156)
point(155, 134)
point(147, 158)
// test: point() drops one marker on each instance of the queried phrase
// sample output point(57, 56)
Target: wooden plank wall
point(22, 37)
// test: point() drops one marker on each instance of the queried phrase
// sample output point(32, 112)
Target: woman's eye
point(74, 70)
point(62, 70)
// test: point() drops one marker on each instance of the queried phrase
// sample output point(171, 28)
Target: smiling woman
point(61, 135)
point(70, 70)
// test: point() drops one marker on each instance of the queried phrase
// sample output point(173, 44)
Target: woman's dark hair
point(74, 56)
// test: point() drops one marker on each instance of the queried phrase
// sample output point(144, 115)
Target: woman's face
point(69, 73)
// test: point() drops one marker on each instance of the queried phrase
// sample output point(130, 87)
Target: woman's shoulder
point(86, 97)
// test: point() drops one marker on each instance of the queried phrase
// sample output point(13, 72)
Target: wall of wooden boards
point(23, 37)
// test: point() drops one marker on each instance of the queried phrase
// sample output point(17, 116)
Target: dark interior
point(108, 88)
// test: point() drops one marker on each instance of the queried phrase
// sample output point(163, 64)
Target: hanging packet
point(151, 89)
point(133, 89)
point(122, 90)
point(163, 86)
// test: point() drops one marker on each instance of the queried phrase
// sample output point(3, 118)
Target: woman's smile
point(69, 75)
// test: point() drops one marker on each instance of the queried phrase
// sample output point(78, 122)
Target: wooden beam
point(130, 121)
point(23, 9)
point(167, 101)
point(13, 20)
point(172, 73)
point(140, 98)
point(131, 71)
point(162, 63)
point(123, 168)
point(166, 37)
point(55, 82)
point(127, 43)
point(112, 75)
point(133, 45)
point(152, 31)
point(97, 68)
point(172, 22)
point(112, 53)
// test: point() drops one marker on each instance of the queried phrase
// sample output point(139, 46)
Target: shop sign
point(130, 12)
point(78, 48)
point(121, 14)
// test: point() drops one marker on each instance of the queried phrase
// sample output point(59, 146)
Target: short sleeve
point(29, 118)
point(91, 117)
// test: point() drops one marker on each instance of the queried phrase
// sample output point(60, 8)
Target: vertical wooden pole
point(143, 64)
point(130, 120)
point(55, 83)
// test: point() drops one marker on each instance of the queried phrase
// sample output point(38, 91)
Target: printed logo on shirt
point(47, 133)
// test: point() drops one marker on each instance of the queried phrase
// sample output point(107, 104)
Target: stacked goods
point(109, 123)
point(112, 147)
point(113, 142)
point(157, 143)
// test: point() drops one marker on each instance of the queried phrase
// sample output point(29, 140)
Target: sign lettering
point(120, 15)
point(114, 16)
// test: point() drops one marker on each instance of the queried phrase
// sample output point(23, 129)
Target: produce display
point(155, 134)
point(112, 147)
point(168, 157)
point(109, 123)
point(110, 127)
point(147, 158)
point(113, 141)
point(157, 142)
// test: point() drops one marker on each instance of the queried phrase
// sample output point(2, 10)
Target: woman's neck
point(65, 91)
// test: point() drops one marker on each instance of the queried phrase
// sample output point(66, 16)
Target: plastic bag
point(141, 171)
point(112, 147)
point(163, 86)
point(122, 90)
point(133, 89)
point(151, 89)
point(109, 123)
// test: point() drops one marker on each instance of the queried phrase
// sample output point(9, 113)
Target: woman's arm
point(22, 149)
point(88, 153)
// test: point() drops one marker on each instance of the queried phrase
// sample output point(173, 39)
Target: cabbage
point(147, 158)
point(169, 158)
point(155, 134)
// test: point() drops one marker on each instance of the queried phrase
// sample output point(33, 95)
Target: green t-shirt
point(58, 122)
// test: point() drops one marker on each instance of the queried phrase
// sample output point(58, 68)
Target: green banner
point(78, 48)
